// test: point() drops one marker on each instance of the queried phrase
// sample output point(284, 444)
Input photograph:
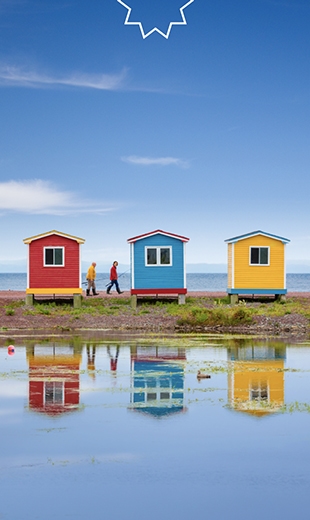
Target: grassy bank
point(196, 313)
point(218, 312)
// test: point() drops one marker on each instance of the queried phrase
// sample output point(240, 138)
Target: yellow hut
point(256, 265)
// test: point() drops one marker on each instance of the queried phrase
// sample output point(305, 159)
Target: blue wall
point(158, 277)
point(159, 378)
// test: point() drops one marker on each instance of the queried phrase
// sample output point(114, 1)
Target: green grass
point(207, 312)
point(10, 308)
point(197, 312)
point(291, 306)
point(9, 311)
point(16, 303)
point(224, 317)
point(92, 307)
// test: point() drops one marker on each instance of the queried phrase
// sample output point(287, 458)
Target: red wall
point(37, 377)
point(54, 277)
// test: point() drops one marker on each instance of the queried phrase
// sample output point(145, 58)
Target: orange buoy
point(11, 350)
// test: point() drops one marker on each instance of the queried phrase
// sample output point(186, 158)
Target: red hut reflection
point(54, 378)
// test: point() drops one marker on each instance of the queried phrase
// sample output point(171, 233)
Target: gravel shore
point(154, 319)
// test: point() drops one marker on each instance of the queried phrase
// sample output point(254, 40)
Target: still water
point(115, 430)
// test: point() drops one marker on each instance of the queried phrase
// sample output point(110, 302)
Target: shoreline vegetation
point(204, 313)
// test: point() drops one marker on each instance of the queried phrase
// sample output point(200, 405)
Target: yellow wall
point(252, 374)
point(259, 276)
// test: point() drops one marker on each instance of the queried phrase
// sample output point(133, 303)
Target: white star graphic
point(155, 29)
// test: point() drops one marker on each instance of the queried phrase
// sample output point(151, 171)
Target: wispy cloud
point(159, 161)
point(17, 76)
point(42, 197)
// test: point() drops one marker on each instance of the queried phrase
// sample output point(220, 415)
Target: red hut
point(54, 265)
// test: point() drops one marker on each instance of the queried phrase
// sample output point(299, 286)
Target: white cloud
point(41, 197)
point(16, 76)
point(160, 161)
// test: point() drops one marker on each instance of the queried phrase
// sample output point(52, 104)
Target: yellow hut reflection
point(256, 379)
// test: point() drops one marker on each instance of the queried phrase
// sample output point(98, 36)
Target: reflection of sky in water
point(103, 459)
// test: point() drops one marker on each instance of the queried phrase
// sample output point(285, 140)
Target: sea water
point(116, 429)
point(195, 282)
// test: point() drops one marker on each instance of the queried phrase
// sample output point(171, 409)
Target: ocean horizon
point(216, 282)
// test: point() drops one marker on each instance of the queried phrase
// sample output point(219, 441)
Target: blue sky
point(105, 134)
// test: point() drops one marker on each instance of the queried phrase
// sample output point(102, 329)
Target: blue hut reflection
point(157, 381)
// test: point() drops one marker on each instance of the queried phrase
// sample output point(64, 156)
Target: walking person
point(91, 356)
point(113, 359)
point(114, 279)
point(91, 277)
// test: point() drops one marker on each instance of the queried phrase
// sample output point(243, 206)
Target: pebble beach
point(154, 319)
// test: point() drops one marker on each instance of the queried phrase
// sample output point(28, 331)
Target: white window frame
point(53, 383)
point(259, 247)
point(158, 248)
point(63, 256)
point(259, 387)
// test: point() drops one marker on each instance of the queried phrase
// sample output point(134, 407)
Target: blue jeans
point(113, 282)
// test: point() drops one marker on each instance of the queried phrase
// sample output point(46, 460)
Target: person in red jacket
point(113, 279)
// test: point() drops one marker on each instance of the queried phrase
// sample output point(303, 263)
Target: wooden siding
point(230, 266)
point(247, 376)
point(153, 277)
point(259, 276)
point(47, 369)
point(50, 277)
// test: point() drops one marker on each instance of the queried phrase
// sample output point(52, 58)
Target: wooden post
point(29, 299)
point(233, 298)
point(133, 301)
point(77, 301)
point(181, 299)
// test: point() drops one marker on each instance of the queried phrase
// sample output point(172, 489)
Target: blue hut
point(157, 261)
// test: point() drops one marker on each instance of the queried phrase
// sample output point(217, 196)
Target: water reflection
point(113, 355)
point(54, 378)
point(91, 358)
point(256, 379)
point(157, 380)
point(133, 443)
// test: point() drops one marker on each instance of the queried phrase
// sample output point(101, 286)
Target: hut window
point(54, 256)
point(259, 255)
point(54, 392)
point(151, 256)
point(158, 256)
point(259, 391)
point(165, 256)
